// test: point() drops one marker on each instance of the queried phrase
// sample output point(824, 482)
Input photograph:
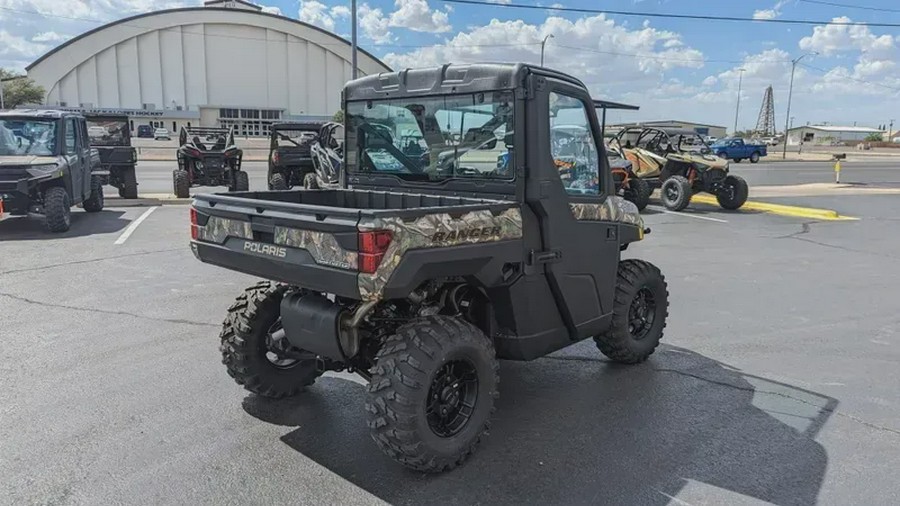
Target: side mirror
point(489, 145)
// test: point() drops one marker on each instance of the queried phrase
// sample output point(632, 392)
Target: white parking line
point(134, 225)
point(657, 208)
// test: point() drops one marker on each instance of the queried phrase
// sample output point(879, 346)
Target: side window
point(71, 127)
point(572, 145)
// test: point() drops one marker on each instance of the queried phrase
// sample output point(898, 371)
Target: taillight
point(372, 246)
point(194, 227)
point(275, 158)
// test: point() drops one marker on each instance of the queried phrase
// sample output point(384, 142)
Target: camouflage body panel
point(322, 246)
point(435, 231)
point(218, 229)
point(614, 208)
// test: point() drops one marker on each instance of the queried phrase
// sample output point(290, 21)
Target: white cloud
point(14, 47)
point(416, 15)
point(710, 81)
point(765, 14)
point(594, 38)
point(316, 13)
point(832, 39)
point(271, 10)
point(50, 37)
point(340, 11)
point(375, 25)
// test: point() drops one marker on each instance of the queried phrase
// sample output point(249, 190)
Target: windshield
point(108, 132)
point(27, 137)
point(433, 138)
point(294, 138)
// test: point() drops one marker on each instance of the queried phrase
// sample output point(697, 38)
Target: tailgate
point(301, 244)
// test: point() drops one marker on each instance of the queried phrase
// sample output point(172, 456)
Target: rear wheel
point(181, 184)
point(432, 393)
point(638, 192)
point(754, 158)
point(255, 350)
point(640, 309)
point(676, 193)
point(310, 182)
point(278, 182)
point(57, 209)
point(94, 203)
point(129, 189)
point(733, 192)
point(240, 181)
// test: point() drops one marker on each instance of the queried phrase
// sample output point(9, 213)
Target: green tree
point(19, 90)
point(874, 138)
point(338, 117)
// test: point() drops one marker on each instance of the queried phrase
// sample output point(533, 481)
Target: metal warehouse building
point(822, 134)
point(700, 128)
point(227, 63)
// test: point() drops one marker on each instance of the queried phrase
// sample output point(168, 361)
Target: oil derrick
point(765, 125)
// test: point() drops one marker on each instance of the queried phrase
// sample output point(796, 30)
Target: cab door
point(74, 150)
point(568, 189)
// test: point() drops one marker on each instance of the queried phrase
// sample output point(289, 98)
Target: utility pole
point(890, 131)
point(737, 111)
point(543, 43)
point(353, 38)
point(790, 93)
point(2, 103)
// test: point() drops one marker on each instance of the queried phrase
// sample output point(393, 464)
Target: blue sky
point(672, 68)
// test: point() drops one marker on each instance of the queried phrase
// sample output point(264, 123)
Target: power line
point(668, 15)
point(848, 6)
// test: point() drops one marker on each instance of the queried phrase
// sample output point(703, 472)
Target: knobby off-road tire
point(310, 182)
point(129, 189)
point(57, 209)
point(412, 388)
point(676, 193)
point(278, 182)
point(94, 203)
point(638, 193)
point(241, 182)
point(244, 345)
point(640, 309)
point(181, 184)
point(733, 193)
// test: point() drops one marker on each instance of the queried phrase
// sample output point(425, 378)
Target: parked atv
point(111, 136)
point(208, 157)
point(434, 266)
point(680, 163)
point(47, 166)
point(327, 153)
point(628, 185)
point(290, 160)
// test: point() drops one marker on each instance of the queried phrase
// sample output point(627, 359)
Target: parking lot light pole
point(790, 94)
point(737, 111)
point(2, 103)
point(544, 43)
point(353, 39)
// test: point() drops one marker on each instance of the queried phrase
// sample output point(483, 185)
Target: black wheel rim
point(451, 398)
point(671, 192)
point(275, 348)
point(642, 313)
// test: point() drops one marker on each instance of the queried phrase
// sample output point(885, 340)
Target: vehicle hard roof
point(299, 125)
point(447, 79)
point(37, 113)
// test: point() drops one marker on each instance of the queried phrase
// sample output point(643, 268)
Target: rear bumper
point(295, 267)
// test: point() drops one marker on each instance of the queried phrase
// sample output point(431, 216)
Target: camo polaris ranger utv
point(432, 267)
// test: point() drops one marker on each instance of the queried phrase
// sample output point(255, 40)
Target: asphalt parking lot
point(777, 382)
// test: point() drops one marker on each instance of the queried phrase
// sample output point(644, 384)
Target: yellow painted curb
point(783, 210)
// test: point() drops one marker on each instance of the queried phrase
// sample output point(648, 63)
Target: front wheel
point(733, 192)
point(676, 193)
point(255, 350)
point(432, 393)
point(278, 182)
point(57, 209)
point(640, 309)
point(638, 192)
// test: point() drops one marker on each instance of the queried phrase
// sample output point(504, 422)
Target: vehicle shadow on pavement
point(31, 228)
point(576, 429)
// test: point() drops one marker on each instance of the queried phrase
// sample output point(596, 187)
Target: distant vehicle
point(290, 157)
point(47, 166)
point(328, 152)
point(770, 141)
point(145, 131)
point(737, 149)
point(709, 139)
point(208, 157)
point(161, 134)
point(111, 136)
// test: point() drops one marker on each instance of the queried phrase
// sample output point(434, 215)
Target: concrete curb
point(780, 209)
